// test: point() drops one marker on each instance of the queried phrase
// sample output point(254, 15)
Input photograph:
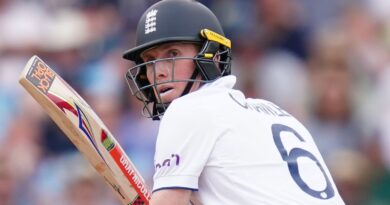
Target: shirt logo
point(174, 159)
point(150, 22)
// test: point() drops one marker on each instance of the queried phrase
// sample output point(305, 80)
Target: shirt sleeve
point(185, 141)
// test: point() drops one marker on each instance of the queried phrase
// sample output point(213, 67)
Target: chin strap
point(158, 109)
point(190, 83)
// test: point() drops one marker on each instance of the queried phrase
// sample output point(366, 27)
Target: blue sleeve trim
point(175, 187)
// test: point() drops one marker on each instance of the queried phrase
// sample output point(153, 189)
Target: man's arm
point(171, 197)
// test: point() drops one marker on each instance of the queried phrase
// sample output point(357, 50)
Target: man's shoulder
point(204, 105)
point(200, 98)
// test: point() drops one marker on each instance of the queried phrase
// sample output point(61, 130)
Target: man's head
point(180, 44)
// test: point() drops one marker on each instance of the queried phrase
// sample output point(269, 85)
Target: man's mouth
point(165, 90)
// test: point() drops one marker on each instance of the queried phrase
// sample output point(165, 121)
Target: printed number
point(292, 157)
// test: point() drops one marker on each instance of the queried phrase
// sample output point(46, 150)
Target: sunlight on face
point(165, 71)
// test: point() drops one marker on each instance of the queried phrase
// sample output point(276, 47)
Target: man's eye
point(173, 53)
point(148, 59)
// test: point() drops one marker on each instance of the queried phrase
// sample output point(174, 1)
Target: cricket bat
point(85, 130)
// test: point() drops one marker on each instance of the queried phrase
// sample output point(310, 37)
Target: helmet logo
point(150, 22)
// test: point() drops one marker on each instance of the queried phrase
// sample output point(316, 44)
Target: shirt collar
point(223, 82)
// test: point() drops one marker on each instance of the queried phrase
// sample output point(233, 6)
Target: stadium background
point(326, 62)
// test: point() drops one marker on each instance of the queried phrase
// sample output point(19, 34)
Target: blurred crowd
point(326, 62)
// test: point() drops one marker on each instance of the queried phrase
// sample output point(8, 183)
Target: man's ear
point(206, 63)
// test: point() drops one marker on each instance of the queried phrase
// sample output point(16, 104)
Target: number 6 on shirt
point(291, 158)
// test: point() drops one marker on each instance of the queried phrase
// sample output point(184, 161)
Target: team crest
point(150, 22)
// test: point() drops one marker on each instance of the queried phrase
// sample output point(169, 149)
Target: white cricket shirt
point(233, 150)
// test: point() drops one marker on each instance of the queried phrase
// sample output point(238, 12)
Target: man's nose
point(163, 69)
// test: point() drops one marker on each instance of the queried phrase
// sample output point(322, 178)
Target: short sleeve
point(185, 141)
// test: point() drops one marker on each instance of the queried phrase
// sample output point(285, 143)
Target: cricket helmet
point(177, 21)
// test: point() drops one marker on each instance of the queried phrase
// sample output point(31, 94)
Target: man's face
point(165, 71)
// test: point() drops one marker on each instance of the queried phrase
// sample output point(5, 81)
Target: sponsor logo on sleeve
point(174, 160)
